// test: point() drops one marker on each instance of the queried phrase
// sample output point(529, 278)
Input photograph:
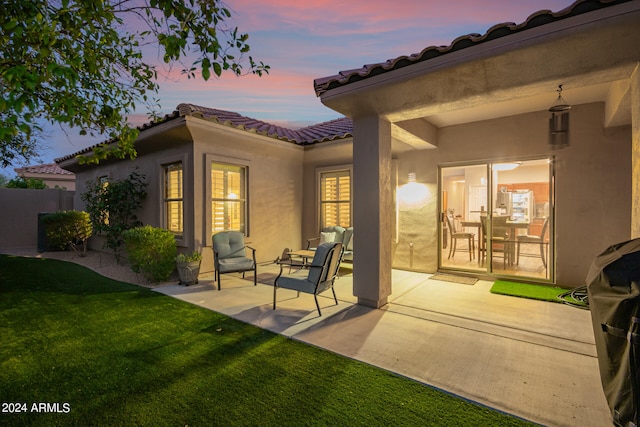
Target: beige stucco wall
point(593, 181)
point(20, 208)
point(275, 187)
point(151, 167)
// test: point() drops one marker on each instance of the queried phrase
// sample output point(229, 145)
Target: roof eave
point(341, 98)
point(503, 36)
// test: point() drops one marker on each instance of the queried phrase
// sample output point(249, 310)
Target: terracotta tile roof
point(149, 125)
point(324, 84)
point(49, 168)
point(327, 131)
point(321, 132)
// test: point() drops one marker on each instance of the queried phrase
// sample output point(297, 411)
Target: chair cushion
point(347, 240)
point(319, 259)
point(462, 235)
point(229, 244)
point(529, 239)
point(227, 265)
point(327, 237)
point(335, 229)
point(297, 284)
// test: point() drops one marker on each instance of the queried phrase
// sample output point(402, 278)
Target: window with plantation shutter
point(335, 198)
point(228, 197)
point(173, 201)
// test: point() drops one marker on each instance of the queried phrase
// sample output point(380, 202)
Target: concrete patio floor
point(533, 359)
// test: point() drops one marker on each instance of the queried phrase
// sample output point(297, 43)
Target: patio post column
point(635, 153)
point(372, 211)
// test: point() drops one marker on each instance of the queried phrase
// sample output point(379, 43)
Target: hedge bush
point(68, 229)
point(152, 252)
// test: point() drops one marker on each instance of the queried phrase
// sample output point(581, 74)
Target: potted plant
point(188, 266)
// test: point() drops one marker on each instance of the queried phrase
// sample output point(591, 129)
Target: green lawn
point(111, 353)
point(539, 292)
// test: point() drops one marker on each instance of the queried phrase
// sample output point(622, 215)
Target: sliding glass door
point(496, 218)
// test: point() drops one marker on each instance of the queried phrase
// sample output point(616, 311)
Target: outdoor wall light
point(559, 122)
point(412, 195)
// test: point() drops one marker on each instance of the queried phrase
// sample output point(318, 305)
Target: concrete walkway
point(536, 360)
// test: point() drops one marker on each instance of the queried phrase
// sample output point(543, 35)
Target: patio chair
point(320, 276)
point(335, 233)
point(230, 255)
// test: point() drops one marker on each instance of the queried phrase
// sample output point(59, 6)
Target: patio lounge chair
point(230, 255)
point(335, 233)
point(320, 276)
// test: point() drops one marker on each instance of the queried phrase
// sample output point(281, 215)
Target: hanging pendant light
point(559, 123)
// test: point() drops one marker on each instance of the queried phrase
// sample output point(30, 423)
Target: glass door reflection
point(464, 201)
point(497, 218)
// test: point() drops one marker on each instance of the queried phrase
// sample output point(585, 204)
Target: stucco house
point(210, 170)
point(452, 137)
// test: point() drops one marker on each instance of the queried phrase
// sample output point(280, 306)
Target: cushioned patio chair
point(319, 277)
point(230, 255)
point(335, 233)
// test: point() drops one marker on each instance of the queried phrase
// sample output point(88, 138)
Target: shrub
point(68, 229)
point(112, 206)
point(30, 183)
point(193, 256)
point(152, 252)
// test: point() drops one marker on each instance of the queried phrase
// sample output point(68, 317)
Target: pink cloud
point(376, 16)
point(306, 39)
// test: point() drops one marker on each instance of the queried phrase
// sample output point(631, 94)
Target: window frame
point(320, 203)
point(210, 159)
point(166, 200)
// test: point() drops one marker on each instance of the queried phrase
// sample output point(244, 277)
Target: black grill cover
point(613, 285)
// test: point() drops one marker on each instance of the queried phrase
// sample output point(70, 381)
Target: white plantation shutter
point(173, 201)
point(335, 195)
point(228, 197)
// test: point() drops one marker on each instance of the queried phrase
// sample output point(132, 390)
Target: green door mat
point(538, 292)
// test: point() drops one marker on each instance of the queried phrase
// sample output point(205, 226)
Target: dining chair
point(500, 243)
point(539, 240)
point(459, 235)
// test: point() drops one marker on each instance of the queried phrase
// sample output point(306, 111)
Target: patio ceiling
point(593, 55)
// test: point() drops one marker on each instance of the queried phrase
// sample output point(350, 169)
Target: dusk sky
point(305, 40)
